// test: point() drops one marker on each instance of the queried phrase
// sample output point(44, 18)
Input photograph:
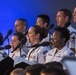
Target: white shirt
point(37, 55)
point(53, 56)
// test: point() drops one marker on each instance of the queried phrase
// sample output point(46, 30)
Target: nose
point(56, 18)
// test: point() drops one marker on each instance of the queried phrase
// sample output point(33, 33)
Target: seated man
point(59, 39)
point(43, 21)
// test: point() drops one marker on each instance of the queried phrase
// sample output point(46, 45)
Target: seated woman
point(60, 36)
point(35, 36)
point(19, 52)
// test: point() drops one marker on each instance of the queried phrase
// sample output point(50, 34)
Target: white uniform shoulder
point(71, 29)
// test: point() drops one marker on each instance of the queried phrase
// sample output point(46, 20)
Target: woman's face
point(57, 41)
point(15, 41)
point(32, 36)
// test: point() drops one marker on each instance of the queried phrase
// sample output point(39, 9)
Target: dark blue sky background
point(10, 10)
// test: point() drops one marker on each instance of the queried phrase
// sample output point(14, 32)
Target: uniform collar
point(67, 24)
point(63, 49)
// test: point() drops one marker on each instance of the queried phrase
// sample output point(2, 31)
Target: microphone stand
point(8, 44)
point(50, 34)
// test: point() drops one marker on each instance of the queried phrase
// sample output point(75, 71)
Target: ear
point(24, 27)
point(45, 25)
point(63, 39)
point(37, 35)
point(66, 18)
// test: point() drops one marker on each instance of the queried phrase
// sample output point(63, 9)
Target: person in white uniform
point(21, 25)
point(74, 18)
point(63, 19)
point(19, 52)
point(35, 36)
point(43, 21)
point(59, 39)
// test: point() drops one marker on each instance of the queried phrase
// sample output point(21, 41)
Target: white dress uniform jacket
point(53, 55)
point(48, 38)
point(20, 53)
point(72, 41)
point(37, 55)
point(2, 55)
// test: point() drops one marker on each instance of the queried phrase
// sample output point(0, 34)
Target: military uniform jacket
point(52, 55)
point(48, 38)
point(72, 41)
point(2, 55)
point(19, 54)
point(37, 55)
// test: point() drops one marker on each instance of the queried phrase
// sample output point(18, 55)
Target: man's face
point(60, 18)
point(19, 27)
point(74, 15)
point(40, 22)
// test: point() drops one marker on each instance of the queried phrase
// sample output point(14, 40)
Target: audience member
point(34, 69)
point(54, 64)
point(18, 71)
point(52, 71)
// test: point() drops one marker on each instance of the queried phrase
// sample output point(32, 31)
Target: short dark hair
point(64, 32)
point(24, 21)
point(34, 69)
point(18, 71)
point(67, 12)
point(19, 35)
point(54, 64)
point(53, 71)
point(45, 18)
